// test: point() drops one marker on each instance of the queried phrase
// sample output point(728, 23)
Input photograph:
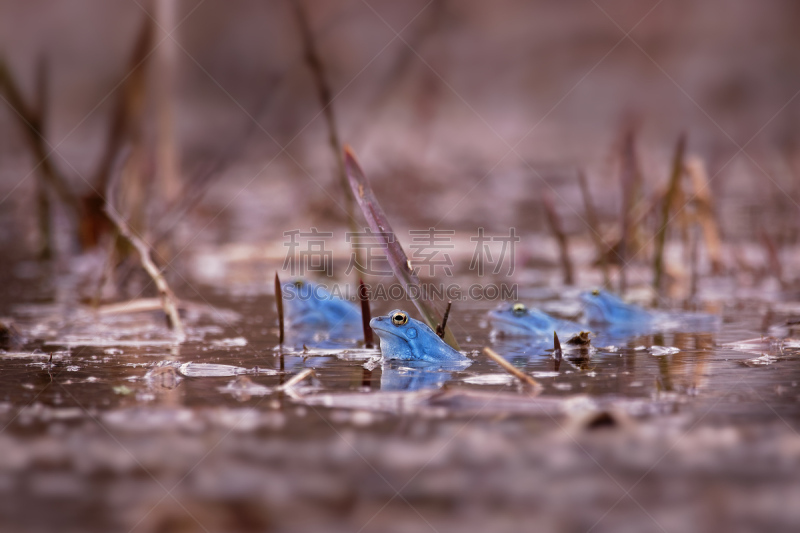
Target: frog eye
point(596, 292)
point(298, 283)
point(399, 319)
point(519, 309)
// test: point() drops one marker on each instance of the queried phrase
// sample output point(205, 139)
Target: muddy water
point(108, 426)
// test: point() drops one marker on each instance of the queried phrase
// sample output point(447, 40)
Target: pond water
point(109, 426)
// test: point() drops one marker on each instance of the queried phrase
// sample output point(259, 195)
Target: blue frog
point(605, 308)
point(314, 315)
point(517, 320)
point(405, 338)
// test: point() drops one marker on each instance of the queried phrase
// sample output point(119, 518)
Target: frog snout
point(375, 321)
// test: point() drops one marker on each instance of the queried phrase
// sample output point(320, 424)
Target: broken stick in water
point(279, 303)
point(511, 369)
point(441, 327)
point(168, 300)
point(558, 354)
point(366, 314)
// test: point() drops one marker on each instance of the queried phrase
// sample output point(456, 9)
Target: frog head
point(604, 308)
point(517, 319)
point(403, 337)
point(310, 305)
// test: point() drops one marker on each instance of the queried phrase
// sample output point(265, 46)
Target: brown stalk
point(279, 304)
point(366, 314)
point(168, 166)
point(558, 354)
point(630, 180)
point(511, 369)
point(32, 120)
point(561, 238)
point(594, 228)
point(698, 176)
point(168, 300)
point(440, 329)
point(773, 256)
point(666, 208)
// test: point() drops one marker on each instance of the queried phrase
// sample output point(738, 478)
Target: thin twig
point(279, 303)
point(366, 314)
point(168, 300)
point(666, 208)
point(294, 380)
point(511, 369)
point(440, 329)
point(561, 238)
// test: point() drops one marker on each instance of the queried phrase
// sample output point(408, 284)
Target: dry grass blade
point(279, 303)
point(630, 179)
point(561, 238)
point(705, 211)
point(168, 300)
point(366, 314)
point(289, 386)
point(666, 208)
point(511, 369)
point(594, 228)
point(397, 258)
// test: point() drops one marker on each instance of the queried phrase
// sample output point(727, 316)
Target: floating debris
point(212, 370)
point(229, 343)
point(243, 388)
point(490, 379)
point(660, 351)
point(764, 360)
point(580, 339)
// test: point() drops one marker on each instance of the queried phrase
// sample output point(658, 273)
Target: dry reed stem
point(561, 238)
point(698, 176)
point(666, 208)
point(168, 300)
point(511, 369)
point(594, 228)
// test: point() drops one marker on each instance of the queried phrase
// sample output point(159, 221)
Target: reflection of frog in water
point(415, 375)
point(314, 315)
point(519, 321)
point(405, 338)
